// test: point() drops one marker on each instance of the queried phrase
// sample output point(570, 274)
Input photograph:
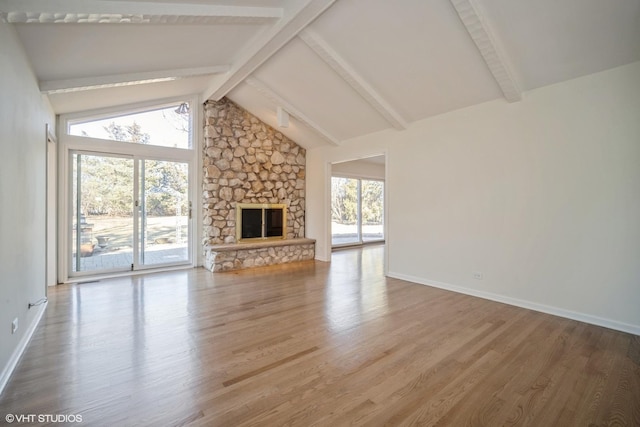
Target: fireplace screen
point(260, 221)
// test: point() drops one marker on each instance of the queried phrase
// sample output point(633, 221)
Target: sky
point(162, 125)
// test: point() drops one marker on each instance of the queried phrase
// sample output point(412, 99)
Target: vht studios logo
point(43, 418)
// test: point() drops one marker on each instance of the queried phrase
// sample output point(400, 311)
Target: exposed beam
point(351, 76)
point(478, 28)
point(109, 11)
point(296, 17)
point(271, 95)
point(99, 82)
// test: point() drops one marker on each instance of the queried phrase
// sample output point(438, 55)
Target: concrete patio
point(123, 258)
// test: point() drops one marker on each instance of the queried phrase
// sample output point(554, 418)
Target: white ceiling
point(341, 68)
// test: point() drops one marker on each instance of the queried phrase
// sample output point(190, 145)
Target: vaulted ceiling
point(339, 68)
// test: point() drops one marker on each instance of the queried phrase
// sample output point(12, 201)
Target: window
point(357, 209)
point(129, 186)
point(167, 126)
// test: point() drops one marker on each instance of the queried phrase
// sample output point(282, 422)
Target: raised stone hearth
point(247, 161)
point(237, 256)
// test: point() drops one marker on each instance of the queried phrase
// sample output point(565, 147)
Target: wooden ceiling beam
point(472, 18)
point(297, 15)
point(99, 82)
point(138, 12)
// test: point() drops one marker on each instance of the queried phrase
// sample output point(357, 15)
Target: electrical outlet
point(14, 325)
point(478, 275)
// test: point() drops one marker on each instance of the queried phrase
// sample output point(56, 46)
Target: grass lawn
point(119, 231)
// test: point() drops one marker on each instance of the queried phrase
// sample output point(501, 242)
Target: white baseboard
point(22, 345)
point(556, 311)
point(321, 258)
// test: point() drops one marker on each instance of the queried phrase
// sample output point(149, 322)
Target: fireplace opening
point(260, 221)
point(251, 223)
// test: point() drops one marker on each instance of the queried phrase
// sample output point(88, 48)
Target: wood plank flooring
point(315, 344)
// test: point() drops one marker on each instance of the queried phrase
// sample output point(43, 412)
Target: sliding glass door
point(357, 207)
point(127, 213)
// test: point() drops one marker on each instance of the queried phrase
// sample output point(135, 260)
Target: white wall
point(23, 115)
point(541, 196)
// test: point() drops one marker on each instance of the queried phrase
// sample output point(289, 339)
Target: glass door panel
point(344, 211)
point(372, 210)
point(164, 212)
point(102, 214)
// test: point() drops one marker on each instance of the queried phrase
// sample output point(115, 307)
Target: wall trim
point(7, 371)
point(556, 311)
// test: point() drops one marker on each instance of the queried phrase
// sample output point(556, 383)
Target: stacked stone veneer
point(235, 257)
point(247, 161)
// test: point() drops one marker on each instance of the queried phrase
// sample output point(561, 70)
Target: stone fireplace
point(248, 163)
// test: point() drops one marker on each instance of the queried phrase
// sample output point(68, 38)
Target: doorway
point(358, 202)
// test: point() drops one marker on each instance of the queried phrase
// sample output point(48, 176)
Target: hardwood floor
point(315, 344)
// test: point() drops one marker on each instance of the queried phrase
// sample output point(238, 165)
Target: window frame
point(121, 111)
point(70, 143)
